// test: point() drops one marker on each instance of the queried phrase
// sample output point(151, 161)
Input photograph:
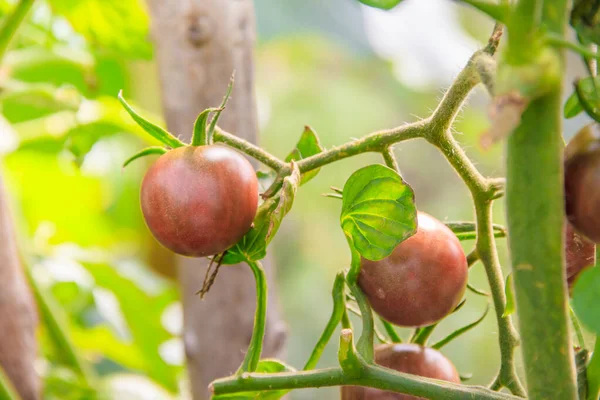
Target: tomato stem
point(365, 341)
point(339, 308)
point(252, 358)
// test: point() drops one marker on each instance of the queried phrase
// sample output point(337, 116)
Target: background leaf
point(590, 88)
point(378, 211)
point(383, 4)
point(120, 26)
point(585, 298)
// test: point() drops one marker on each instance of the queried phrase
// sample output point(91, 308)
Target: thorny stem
point(436, 130)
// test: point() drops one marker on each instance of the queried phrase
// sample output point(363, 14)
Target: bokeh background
point(337, 66)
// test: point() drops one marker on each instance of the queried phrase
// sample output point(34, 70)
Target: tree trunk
point(199, 43)
point(18, 317)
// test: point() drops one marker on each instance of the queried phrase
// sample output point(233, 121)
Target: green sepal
point(154, 130)
point(145, 152)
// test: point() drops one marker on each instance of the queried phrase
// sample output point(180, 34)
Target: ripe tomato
point(423, 279)
point(582, 182)
point(408, 358)
point(199, 201)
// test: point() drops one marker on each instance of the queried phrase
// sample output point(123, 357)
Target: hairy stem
point(390, 159)
point(260, 317)
point(250, 149)
point(507, 335)
point(535, 213)
point(371, 376)
point(11, 23)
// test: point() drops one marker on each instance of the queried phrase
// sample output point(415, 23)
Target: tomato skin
point(582, 193)
point(411, 359)
point(580, 253)
point(199, 201)
point(423, 279)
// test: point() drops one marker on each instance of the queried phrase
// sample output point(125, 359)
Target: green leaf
point(510, 296)
point(572, 107)
point(589, 88)
point(307, 146)
point(378, 211)
point(270, 214)
point(585, 19)
point(586, 295)
point(145, 152)
point(199, 133)
point(383, 4)
point(217, 114)
point(468, 230)
point(589, 100)
point(264, 366)
point(143, 313)
point(593, 373)
point(460, 331)
point(120, 26)
point(154, 130)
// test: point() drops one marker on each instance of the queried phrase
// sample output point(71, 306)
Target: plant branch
point(390, 158)
point(260, 317)
point(371, 376)
point(11, 23)
point(252, 150)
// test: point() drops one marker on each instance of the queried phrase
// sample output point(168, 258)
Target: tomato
point(199, 201)
point(580, 253)
point(408, 358)
point(423, 279)
point(582, 182)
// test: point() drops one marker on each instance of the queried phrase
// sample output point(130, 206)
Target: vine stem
point(252, 358)
point(370, 376)
point(11, 23)
point(535, 214)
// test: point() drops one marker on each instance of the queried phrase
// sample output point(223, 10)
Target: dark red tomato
point(408, 358)
point(582, 182)
point(580, 253)
point(199, 201)
point(423, 279)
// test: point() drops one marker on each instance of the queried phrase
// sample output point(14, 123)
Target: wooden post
point(199, 43)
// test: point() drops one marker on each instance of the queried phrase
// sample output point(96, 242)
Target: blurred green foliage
point(65, 137)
